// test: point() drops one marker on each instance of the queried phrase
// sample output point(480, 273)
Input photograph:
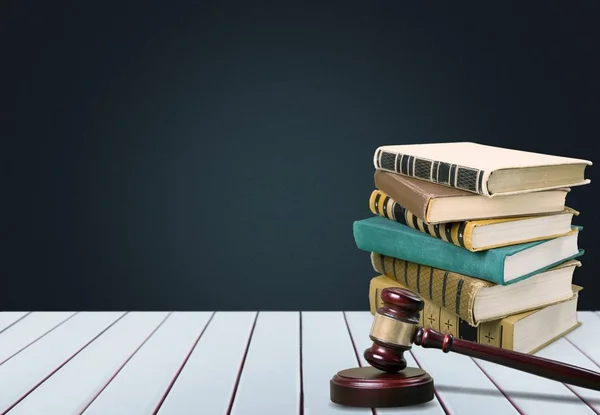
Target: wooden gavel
point(395, 329)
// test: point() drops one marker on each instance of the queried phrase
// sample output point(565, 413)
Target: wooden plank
point(587, 336)
point(564, 351)
point(270, 379)
point(359, 323)
point(534, 395)
point(31, 328)
point(139, 387)
point(20, 375)
point(326, 349)
point(75, 385)
point(461, 386)
point(207, 380)
point(8, 318)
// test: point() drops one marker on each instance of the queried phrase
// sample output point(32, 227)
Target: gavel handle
point(539, 366)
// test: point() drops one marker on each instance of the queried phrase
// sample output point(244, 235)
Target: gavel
point(389, 382)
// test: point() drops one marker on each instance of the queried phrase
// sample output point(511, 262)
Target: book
point(505, 265)
point(433, 203)
point(526, 332)
point(481, 234)
point(475, 300)
point(482, 169)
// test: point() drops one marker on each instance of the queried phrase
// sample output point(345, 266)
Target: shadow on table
point(515, 394)
point(425, 408)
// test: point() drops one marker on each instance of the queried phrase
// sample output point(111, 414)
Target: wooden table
point(113, 363)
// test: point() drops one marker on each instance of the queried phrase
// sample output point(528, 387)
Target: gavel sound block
point(388, 382)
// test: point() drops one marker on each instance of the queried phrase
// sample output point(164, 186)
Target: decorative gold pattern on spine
point(457, 233)
point(435, 317)
point(455, 292)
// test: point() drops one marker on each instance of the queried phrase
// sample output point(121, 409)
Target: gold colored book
point(480, 234)
point(475, 300)
point(526, 332)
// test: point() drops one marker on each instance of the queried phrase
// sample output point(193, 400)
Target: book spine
point(454, 292)
point(495, 333)
point(457, 233)
point(447, 174)
point(377, 234)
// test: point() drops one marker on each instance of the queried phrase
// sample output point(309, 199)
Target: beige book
point(526, 332)
point(482, 169)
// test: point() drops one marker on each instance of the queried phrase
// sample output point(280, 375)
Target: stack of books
point(482, 234)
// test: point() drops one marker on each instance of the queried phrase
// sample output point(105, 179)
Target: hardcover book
point(526, 332)
point(482, 169)
point(475, 300)
point(501, 266)
point(433, 203)
point(482, 234)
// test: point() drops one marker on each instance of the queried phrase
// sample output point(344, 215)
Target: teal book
point(502, 266)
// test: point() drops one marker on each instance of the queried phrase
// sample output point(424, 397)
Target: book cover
point(414, 194)
point(393, 239)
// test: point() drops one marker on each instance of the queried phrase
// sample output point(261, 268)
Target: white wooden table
point(136, 363)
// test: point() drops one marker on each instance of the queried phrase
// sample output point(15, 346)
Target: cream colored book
point(482, 169)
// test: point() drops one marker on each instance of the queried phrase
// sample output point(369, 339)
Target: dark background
point(214, 157)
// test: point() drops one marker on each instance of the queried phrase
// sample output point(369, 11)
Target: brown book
point(526, 332)
point(474, 300)
point(434, 203)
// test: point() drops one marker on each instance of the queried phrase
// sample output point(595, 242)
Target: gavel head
point(393, 329)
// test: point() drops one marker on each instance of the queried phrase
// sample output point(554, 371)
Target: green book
point(501, 266)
